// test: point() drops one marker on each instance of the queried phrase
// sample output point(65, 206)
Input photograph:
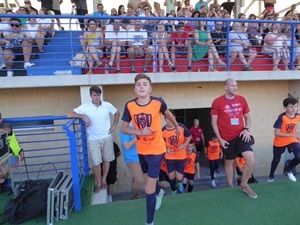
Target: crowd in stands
point(167, 38)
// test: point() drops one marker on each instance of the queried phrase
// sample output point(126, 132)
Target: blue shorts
point(151, 164)
point(175, 165)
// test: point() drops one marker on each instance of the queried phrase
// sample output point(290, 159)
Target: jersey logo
point(173, 140)
point(290, 127)
point(143, 120)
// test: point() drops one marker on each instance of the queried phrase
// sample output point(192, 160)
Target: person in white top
point(46, 23)
point(170, 5)
point(138, 45)
point(96, 115)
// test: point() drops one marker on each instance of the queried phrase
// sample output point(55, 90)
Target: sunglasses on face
point(15, 25)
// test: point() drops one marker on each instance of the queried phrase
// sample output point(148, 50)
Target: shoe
point(161, 70)
point(2, 66)
point(270, 180)
point(145, 70)
point(149, 223)
point(118, 70)
point(132, 70)
point(189, 69)
point(247, 68)
point(247, 189)
point(213, 184)
point(108, 67)
point(159, 198)
point(217, 171)
point(10, 74)
point(28, 64)
point(180, 187)
point(109, 198)
point(291, 176)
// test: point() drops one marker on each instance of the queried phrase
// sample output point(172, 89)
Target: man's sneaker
point(28, 64)
point(213, 183)
point(291, 176)
point(109, 198)
point(247, 189)
point(10, 74)
point(108, 67)
point(270, 180)
point(132, 70)
point(159, 198)
point(149, 223)
point(145, 70)
point(190, 69)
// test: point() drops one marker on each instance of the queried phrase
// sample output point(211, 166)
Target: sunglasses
point(26, 2)
point(14, 25)
point(146, 8)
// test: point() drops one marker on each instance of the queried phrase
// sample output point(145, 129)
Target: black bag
point(31, 202)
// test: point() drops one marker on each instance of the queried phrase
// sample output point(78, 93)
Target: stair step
point(53, 70)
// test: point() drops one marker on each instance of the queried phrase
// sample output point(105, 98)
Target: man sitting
point(138, 45)
point(18, 45)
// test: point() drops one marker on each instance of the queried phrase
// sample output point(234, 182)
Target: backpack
point(31, 202)
point(79, 60)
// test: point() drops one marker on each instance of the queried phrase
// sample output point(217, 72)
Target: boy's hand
point(146, 131)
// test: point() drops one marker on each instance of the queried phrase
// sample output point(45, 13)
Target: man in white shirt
point(96, 115)
point(138, 45)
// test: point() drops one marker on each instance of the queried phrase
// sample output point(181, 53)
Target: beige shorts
point(101, 150)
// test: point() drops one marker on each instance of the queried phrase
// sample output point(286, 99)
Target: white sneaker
point(213, 183)
point(159, 198)
point(270, 180)
point(2, 66)
point(10, 74)
point(109, 198)
point(28, 64)
point(291, 176)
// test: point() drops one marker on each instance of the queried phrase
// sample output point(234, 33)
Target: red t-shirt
point(179, 40)
point(230, 114)
point(197, 134)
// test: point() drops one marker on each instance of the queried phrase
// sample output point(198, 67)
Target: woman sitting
point(275, 44)
point(92, 43)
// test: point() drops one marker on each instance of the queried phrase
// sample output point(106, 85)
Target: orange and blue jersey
point(213, 150)
point(148, 115)
point(163, 166)
point(172, 142)
point(241, 162)
point(191, 160)
point(286, 125)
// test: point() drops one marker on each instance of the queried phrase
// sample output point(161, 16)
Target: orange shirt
point(241, 162)
point(147, 116)
point(213, 150)
point(173, 142)
point(286, 125)
point(191, 160)
point(163, 166)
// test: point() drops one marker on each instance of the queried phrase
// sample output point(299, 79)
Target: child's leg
point(296, 160)
point(212, 169)
point(277, 152)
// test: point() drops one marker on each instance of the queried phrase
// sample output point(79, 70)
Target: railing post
point(86, 169)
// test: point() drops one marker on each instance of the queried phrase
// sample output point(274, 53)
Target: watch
point(247, 129)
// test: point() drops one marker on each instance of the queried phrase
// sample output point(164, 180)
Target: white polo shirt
point(99, 118)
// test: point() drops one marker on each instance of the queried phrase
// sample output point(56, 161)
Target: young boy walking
point(145, 113)
point(286, 136)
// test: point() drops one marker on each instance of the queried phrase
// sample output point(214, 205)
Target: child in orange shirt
point(213, 153)
point(191, 167)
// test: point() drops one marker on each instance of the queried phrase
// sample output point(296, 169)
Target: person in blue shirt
point(101, 13)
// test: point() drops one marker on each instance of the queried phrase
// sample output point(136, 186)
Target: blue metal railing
point(52, 143)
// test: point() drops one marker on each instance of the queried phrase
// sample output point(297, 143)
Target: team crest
point(143, 120)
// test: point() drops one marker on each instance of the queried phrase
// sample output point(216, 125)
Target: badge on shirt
point(234, 121)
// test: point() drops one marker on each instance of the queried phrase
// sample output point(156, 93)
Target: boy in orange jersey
point(145, 113)
point(286, 136)
point(213, 153)
point(176, 152)
point(191, 167)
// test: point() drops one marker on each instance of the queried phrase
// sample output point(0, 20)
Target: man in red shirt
point(181, 45)
point(230, 119)
point(197, 134)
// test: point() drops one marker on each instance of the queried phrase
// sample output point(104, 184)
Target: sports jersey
point(147, 116)
point(191, 160)
point(196, 134)
point(173, 142)
point(230, 114)
point(286, 125)
point(213, 150)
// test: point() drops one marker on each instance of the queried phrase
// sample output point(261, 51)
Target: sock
point(190, 188)
point(184, 185)
point(157, 188)
point(150, 206)
point(173, 184)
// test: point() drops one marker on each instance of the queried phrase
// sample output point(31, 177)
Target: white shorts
point(101, 150)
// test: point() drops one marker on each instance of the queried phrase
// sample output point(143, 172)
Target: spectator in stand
point(181, 45)
point(275, 44)
point(56, 9)
point(210, 25)
point(18, 46)
point(295, 48)
point(130, 12)
point(228, 6)
point(157, 9)
point(113, 12)
point(92, 43)
point(191, 167)
point(46, 23)
point(22, 11)
point(253, 31)
point(45, 3)
point(134, 4)
point(4, 25)
point(172, 13)
point(29, 6)
point(219, 38)
point(161, 39)
point(293, 10)
point(36, 31)
point(170, 5)
point(203, 45)
point(270, 5)
point(131, 158)
point(242, 16)
point(138, 45)
point(226, 15)
point(197, 135)
point(179, 6)
point(213, 153)
point(81, 10)
point(101, 13)
point(199, 4)
point(115, 44)
point(191, 25)
point(188, 7)
point(266, 27)
point(239, 46)
point(121, 10)
point(215, 5)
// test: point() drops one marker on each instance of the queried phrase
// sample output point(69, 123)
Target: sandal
point(118, 70)
point(212, 70)
point(161, 70)
point(89, 73)
point(276, 69)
